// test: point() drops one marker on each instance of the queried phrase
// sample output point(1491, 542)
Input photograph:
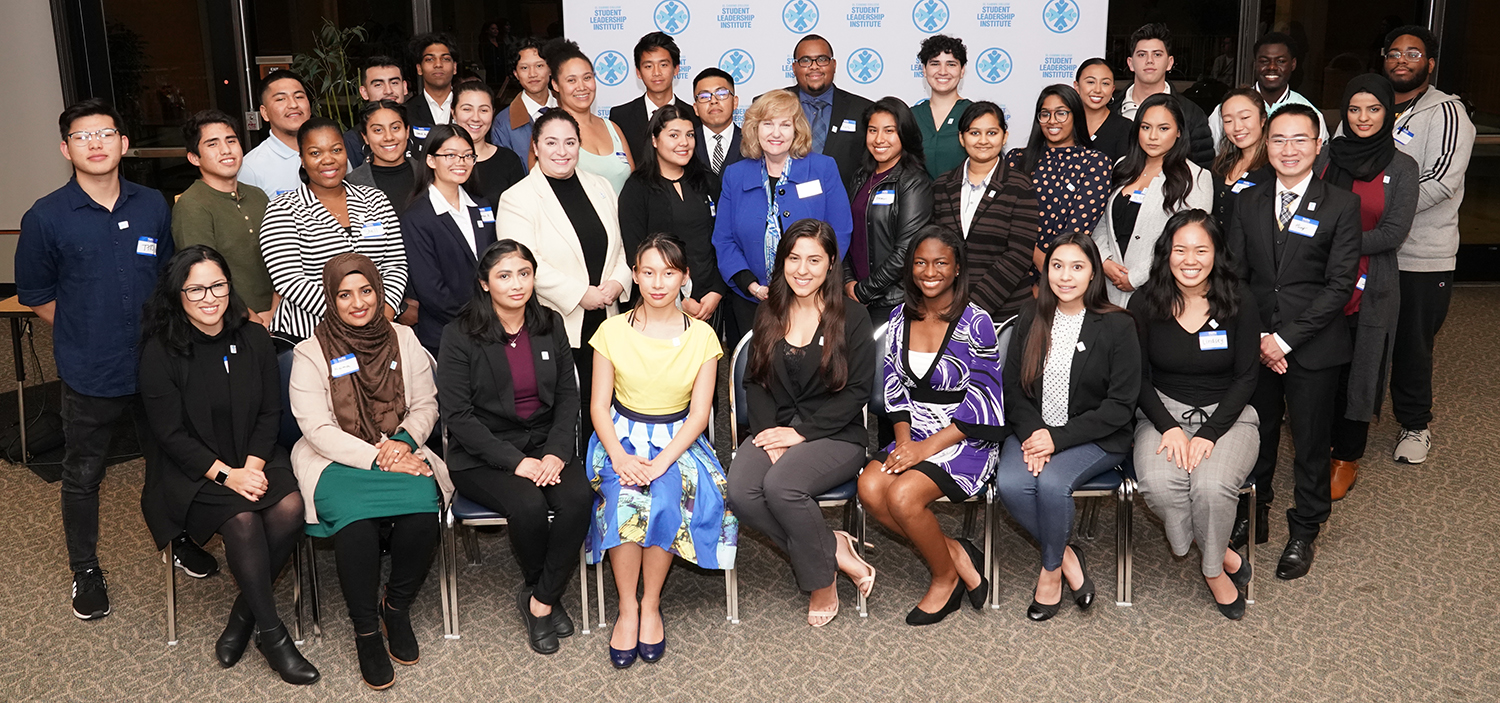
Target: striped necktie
point(718, 160)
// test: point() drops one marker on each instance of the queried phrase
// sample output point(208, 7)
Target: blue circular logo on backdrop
point(672, 16)
point(930, 16)
point(1060, 16)
point(611, 68)
point(865, 65)
point(993, 65)
point(800, 16)
point(739, 64)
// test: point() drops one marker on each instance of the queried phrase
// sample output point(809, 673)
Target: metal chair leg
point(471, 546)
point(989, 543)
point(1250, 550)
point(732, 596)
point(448, 578)
point(171, 597)
point(859, 548)
point(1123, 556)
point(312, 586)
point(583, 587)
point(599, 584)
point(297, 597)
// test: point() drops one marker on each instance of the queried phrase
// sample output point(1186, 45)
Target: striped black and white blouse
point(299, 235)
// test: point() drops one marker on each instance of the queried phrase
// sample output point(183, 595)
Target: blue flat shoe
point(622, 658)
point(652, 653)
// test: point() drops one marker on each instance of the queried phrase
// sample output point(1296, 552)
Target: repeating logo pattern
point(739, 64)
point(1060, 16)
point(672, 16)
point(611, 68)
point(930, 16)
point(994, 65)
point(865, 65)
point(800, 16)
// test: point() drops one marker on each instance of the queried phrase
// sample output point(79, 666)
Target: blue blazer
point(740, 228)
point(512, 130)
point(440, 264)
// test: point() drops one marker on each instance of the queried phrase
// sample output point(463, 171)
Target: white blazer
point(1148, 227)
point(531, 214)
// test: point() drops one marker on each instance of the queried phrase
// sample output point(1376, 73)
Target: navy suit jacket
point(731, 150)
point(740, 228)
point(844, 145)
point(440, 263)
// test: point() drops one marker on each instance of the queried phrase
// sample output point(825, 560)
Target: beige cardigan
point(1148, 226)
point(324, 442)
point(531, 214)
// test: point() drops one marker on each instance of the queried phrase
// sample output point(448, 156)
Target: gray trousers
point(1197, 506)
point(778, 501)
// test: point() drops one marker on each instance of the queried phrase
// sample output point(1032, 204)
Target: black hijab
point(1363, 158)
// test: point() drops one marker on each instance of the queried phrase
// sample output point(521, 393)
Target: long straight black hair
point(771, 318)
point(1163, 297)
point(1036, 145)
point(164, 318)
point(906, 129)
point(648, 166)
point(916, 303)
point(477, 318)
point(1174, 163)
point(1095, 300)
point(422, 175)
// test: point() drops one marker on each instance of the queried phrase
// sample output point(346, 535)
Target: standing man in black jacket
point(657, 59)
point(835, 114)
point(436, 58)
point(1151, 59)
point(1296, 240)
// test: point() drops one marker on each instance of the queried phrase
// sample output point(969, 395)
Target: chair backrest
point(289, 432)
point(877, 393)
point(737, 399)
point(1004, 330)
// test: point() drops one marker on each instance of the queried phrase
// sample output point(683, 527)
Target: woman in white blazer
point(1154, 181)
point(570, 221)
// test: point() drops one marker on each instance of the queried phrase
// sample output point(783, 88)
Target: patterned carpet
point(1399, 606)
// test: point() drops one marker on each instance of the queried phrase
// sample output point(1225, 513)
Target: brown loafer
point(1344, 474)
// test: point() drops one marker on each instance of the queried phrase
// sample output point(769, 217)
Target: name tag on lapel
point(373, 230)
point(486, 214)
point(1209, 341)
point(809, 189)
point(1241, 185)
point(146, 246)
point(343, 366)
point(1404, 136)
point(545, 356)
point(420, 132)
point(884, 197)
point(847, 126)
point(1304, 226)
point(1138, 196)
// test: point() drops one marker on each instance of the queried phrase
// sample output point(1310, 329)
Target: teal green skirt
point(346, 494)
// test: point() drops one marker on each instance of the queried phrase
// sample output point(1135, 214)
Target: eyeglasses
point(1299, 142)
point(463, 158)
point(196, 293)
point(80, 138)
point(1054, 116)
point(822, 60)
point(722, 94)
point(1410, 54)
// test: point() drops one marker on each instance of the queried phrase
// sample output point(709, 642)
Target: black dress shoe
point(561, 623)
point(281, 653)
point(918, 617)
point(1038, 611)
point(237, 634)
point(1084, 594)
point(977, 594)
point(400, 639)
point(1296, 559)
point(374, 661)
point(1241, 577)
point(1239, 537)
point(539, 630)
point(1235, 610)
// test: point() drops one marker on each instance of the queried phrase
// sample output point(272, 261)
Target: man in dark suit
point(715, 102)
point(1296, 240)
point(836, 115)
point(656, 61)
point(436, 57)
point(1150, 60)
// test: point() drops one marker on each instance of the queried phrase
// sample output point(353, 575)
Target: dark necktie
point(718, 160)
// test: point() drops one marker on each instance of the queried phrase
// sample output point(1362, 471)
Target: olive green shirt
point(940, 147)
point(230, 223)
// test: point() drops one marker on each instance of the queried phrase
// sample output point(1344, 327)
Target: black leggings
point(257, 545)
point(356, 550)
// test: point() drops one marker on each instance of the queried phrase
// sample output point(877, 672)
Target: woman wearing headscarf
point(363, 393)
point(1363, 158)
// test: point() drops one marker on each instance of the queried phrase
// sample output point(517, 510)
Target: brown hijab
point(371, 401)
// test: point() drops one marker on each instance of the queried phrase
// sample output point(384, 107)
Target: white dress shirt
point(970, 195)
point(440, 111)
point(534, 108)
point(460, 217)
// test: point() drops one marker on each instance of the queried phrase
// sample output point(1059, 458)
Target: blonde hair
point(772, 105)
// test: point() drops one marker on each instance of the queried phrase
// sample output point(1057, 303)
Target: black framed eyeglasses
point(196, 293)
point(822, 60)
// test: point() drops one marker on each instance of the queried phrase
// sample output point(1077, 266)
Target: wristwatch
point(221, 477)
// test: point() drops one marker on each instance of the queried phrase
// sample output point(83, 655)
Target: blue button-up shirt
point(100, 266)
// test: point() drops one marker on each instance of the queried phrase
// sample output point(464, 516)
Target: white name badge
point(145, 246)
point(1209, 341)
point(343, 366)
point(1311, 206)
point(1404, 136)
point(420, 132)
point(372, 231)
point(1386, 180)
point(124, 224)
point(1213, 324)
point(1138, 196)
point(950, 120)
point(1241, 185)
point(809, 189)
point(1071, 187)
point(1081, 347)
point(847, 126)
point(713, 210)
point(393, 364)
point(545, 356)
point(486, 215)
point(1360, 284)
point(1303, 226)
point(884, 197)
point(624, 159)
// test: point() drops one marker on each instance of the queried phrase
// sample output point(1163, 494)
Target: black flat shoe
point(237, 634)
point(1241, 577)
point(1038, 612)
point(561, 623)
point(1296, 559)
point(374, 661)
point(540, 633)
point(281, 653)
point(1233, 611)
point(1084, 594)
point(977, 593)
point(1239, 537)
point(918, 617)
point(400, 639)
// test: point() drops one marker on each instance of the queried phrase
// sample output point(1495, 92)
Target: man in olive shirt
point(220, 212)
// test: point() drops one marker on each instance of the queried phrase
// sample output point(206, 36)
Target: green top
point(230, 223)
point(940, 146)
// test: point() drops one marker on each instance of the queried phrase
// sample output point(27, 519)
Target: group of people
point(558, 288)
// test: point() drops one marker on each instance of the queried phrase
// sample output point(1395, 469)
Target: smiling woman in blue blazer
point(779, 182)
point(445, 232)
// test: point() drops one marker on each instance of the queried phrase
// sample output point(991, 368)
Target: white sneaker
point(1412, 446)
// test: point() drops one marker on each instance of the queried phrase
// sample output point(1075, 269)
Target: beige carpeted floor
point(1400, 606)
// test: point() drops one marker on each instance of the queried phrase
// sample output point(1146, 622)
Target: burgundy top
point(523, 374)
point(1371, 206)
point(859, 243)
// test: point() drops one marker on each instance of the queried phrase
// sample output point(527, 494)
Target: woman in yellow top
point(661, 489)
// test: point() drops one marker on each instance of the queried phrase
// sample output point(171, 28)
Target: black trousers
point(547, 551)
point(87, 424)
point(741, 320)
point(1349, 436)
point(356, 551)
point(1307, 397)
point(1424, 306)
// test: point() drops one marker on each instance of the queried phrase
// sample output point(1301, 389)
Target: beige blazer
point(531, 214)
point(324, 442)
point(1148, 227)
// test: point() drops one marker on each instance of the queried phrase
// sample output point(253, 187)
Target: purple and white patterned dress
point(963, 386)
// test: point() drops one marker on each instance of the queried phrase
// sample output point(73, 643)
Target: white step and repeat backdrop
point(1016, 47)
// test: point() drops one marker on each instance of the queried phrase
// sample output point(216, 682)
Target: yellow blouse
point(655, 376)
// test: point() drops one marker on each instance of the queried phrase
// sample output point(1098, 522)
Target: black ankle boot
point(374, 662)
point(281, 653)
point(398, 633)
point(237, 634)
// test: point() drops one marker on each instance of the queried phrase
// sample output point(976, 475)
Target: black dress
point(222, 401)
point(495, 175)
point(1113, 136)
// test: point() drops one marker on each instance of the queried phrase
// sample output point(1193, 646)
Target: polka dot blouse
point(1072, 187)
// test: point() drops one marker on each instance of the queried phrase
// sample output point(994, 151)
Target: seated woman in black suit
point(510, 402)
point(445, 230)
point(217, 467)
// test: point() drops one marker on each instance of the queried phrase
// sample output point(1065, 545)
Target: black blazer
point(889, 229)
point(1200, 139)
point(478, 400)
point(645, 211)
point(419, 115)
point(805, 403)
point(631, 118)
point(1302, 296)
point(731, 150)
point(1103, 386)
point(181, 419)
point(1225, 199)
point(440, 264)
point(843, 146)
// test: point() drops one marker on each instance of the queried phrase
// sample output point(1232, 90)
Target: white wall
point(30, 165)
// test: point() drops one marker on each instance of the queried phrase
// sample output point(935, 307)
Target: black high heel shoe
point(918, 617)
point(1084, 594)
point(977, 593)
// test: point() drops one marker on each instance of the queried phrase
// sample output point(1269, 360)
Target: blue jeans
point(1043, 504)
